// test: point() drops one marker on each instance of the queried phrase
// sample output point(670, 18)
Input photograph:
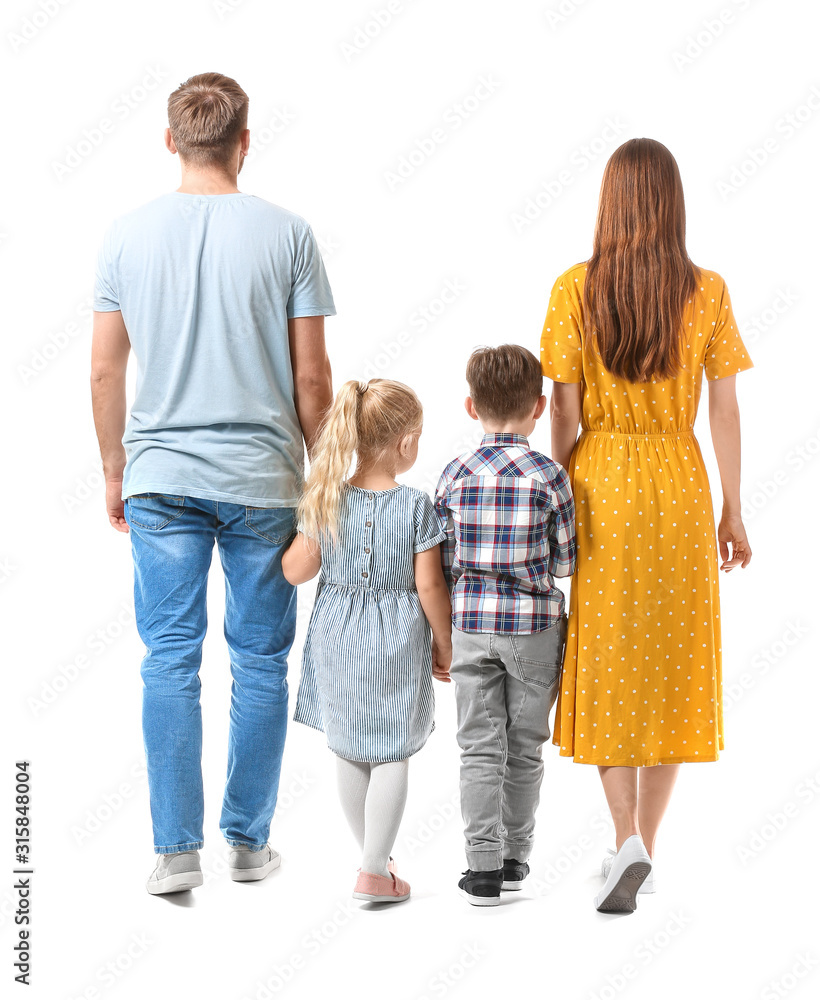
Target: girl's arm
point(435, 602)
point(724, 422)
point(565, 415)
point(302, 560)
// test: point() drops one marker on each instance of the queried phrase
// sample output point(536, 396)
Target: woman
point(626, 337)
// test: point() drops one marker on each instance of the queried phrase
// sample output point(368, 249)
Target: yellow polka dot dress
point(641, 681)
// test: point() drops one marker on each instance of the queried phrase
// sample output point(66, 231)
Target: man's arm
point(312, 380)
point(110, 348)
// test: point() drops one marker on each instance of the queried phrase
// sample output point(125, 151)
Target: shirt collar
point(505, 438)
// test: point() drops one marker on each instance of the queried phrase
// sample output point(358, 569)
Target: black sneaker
point(514, 873)
point(482, 888)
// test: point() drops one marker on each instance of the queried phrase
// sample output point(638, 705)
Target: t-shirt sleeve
point(106, 296)
point(726, 353)
point(428, 529)
point(561, 344)
point(310, 293)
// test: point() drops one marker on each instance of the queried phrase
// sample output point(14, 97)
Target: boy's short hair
point(206, 115)
point(505, 382)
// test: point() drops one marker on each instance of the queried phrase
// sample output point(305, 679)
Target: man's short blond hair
point(206, 115)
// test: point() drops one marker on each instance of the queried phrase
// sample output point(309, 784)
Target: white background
point(737, 858)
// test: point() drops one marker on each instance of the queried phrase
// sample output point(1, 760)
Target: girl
point(367, 661)
point(627, 337)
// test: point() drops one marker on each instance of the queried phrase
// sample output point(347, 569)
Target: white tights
point(373, 798)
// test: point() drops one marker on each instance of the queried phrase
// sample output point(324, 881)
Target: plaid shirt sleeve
point(562, 528)
point(448, 546)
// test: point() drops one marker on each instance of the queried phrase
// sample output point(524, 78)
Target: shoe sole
point(514, 885)
point(370, 898)
point(255, 874)
point(622, 896)
point(480, 900)
point(647, 888)
point(175, 883)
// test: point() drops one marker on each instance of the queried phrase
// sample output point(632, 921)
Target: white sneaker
point(648, 884)
point(175, 873)
point(627, 872)
point(246, 865)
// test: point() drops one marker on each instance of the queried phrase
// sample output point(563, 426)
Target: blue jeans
point(172, 539)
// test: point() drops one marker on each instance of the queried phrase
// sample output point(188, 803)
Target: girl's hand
point(301, 560)
point(442, 655)
point(731, 532)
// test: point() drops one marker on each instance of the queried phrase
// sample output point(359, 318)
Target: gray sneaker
point(246, 865)
point(175, 873)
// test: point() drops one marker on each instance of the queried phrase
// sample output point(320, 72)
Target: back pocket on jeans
point(153, 510)
point(539, 655)
point(276, 524)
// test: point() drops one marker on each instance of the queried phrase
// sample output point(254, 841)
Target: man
point(222, 297)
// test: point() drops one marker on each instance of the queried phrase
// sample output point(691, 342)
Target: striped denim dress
point(366, 665)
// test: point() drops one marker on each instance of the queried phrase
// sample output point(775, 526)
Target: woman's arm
point(302, 560)
point(565, 415)
point(724, 422)
point(435, 602)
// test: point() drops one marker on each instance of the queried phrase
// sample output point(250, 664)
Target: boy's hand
point(442, 656)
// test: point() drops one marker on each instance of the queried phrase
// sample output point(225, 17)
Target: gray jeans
point(505, 688)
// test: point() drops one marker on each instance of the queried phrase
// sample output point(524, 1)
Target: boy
point(510, 521)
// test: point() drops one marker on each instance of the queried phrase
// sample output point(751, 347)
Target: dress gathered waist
point(639, 434)
point(370, 590)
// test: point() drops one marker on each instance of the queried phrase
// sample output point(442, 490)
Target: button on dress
point(641, 680)
point(367, 664)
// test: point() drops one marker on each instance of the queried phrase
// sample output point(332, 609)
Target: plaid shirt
point(510, 521)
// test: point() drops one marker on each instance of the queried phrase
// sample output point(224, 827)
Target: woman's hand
point(732, 532)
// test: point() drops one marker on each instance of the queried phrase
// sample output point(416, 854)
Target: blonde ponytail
point(337, 442)
point(366, 418)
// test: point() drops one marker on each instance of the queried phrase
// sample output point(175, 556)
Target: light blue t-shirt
point(206, 284)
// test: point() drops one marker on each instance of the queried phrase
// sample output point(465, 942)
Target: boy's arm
point(448, 546)
point(302, 560)
point(435, 603)
point(562, 528)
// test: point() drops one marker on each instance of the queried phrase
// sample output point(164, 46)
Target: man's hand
point(115, 504)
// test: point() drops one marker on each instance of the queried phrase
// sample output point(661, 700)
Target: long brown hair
point(639, 277)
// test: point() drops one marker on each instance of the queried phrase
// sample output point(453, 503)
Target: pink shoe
point(380, 889)
point(391, 866)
